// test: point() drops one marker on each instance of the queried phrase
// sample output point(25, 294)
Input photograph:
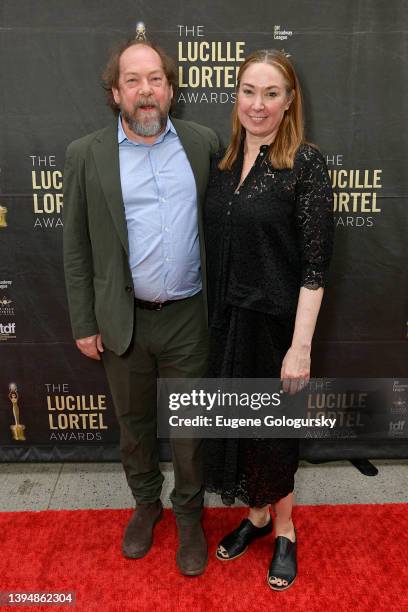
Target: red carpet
point(351, 557)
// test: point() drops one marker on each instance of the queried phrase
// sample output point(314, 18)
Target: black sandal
point(283, 568)
point(237, 542)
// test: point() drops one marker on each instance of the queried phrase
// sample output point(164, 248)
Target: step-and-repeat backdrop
point(351, 57)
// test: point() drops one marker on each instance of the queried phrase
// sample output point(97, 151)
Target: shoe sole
point(195, 572)
point(142, 554)
point(279, 588)
point(232, 558)
point(192, 572)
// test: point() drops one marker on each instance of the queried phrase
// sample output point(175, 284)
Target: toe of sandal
point(236, 543)
point(283, 567)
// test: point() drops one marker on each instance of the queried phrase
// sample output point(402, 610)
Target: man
point(135, 274)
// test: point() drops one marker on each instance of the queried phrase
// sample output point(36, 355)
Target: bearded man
point(134, 261)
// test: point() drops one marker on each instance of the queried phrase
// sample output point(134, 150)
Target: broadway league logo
point(18, 428)
point(280, 34)
point(3, 213)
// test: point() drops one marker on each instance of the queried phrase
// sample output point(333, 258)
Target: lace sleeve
point(314, 218)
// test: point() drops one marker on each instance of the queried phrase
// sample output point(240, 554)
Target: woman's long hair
point(290, 133)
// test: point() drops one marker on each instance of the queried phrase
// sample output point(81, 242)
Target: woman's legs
point(259, 516)
point(283, 517)
point(283, 566)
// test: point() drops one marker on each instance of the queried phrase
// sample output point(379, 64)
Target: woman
point(269, 230)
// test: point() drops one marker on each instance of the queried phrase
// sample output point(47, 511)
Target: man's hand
point(91, 346)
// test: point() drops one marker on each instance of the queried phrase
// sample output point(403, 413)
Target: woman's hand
point(295, 371)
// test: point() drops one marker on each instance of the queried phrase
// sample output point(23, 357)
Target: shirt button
point(228, 212)
point(229, 203)
point(166, 229)
point(129, 289)
point(162, 199)
point(167, 258)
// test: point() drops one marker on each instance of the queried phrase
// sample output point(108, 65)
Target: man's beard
point(151, 125)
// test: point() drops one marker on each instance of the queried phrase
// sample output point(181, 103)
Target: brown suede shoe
point(192, 554)
point(138, 536)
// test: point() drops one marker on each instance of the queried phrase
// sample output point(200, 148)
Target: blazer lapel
point(200, 165)
point(105, 150)
point(194, 151)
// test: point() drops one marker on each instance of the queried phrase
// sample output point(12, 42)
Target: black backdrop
point(351, 58)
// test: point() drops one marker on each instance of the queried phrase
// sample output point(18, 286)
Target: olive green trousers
point(170, 343)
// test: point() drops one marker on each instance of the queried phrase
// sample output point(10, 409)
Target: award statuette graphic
point(3, 213)
point(140, 31)
point(17, 429)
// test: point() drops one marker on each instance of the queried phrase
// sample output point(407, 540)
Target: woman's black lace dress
point(263, 242)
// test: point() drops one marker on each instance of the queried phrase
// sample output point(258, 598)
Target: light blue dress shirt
point(160, 197)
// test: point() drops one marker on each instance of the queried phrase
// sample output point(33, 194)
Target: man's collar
point(122, 136)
